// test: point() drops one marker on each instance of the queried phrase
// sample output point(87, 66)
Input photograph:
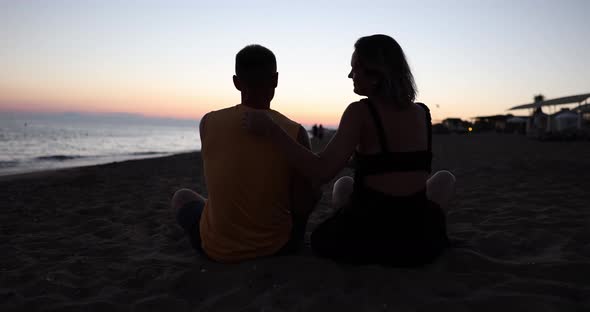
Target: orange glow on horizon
point(165, 102)
point(150, 103)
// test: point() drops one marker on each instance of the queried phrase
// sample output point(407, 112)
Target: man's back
point(247, 214)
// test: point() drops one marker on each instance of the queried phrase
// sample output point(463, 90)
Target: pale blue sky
point(175, 58)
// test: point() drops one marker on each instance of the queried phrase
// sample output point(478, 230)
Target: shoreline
point(124, 158)
point(315, 143)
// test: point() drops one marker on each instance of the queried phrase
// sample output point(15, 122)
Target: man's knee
point(342, 192)
point(182, 197)
point(344, 184)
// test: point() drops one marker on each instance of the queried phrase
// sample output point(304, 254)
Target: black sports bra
point(386, 161)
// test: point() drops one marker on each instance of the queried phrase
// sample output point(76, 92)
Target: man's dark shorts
point(189, 217)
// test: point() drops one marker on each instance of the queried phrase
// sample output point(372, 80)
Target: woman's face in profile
point(363, 83)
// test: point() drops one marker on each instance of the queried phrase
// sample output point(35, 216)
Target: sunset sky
point(176, 58)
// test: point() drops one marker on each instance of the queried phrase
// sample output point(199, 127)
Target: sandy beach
point(103, 238)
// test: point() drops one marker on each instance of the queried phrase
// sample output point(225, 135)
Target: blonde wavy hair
point(381, 56)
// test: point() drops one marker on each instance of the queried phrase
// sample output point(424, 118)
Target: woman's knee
point(445, 174)
point(443, 177)
point(441, 188)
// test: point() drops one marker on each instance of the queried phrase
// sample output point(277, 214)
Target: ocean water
point(29, 144)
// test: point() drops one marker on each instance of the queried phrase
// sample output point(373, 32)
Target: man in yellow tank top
point(257, 206)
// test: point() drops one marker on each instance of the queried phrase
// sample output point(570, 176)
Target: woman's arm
point(323, 166)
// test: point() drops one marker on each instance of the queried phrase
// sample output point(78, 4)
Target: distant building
point(516, 124)
point(565, 124)
point(455, 125)
point(439, 128)
point(496, 123)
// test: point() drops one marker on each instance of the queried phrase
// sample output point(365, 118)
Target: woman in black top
point(393, 211)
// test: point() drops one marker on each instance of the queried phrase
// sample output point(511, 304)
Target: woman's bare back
point(405, 131)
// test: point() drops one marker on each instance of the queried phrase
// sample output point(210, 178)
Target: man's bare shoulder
point(222, 110)
point(288, 124)
point(277, 114)
point(212, 115)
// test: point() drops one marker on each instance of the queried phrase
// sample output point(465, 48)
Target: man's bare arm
point(304, 195)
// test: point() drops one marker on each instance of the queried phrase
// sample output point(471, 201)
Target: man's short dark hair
point(255, 62)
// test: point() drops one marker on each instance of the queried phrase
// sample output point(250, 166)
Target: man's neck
point(256, 104)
